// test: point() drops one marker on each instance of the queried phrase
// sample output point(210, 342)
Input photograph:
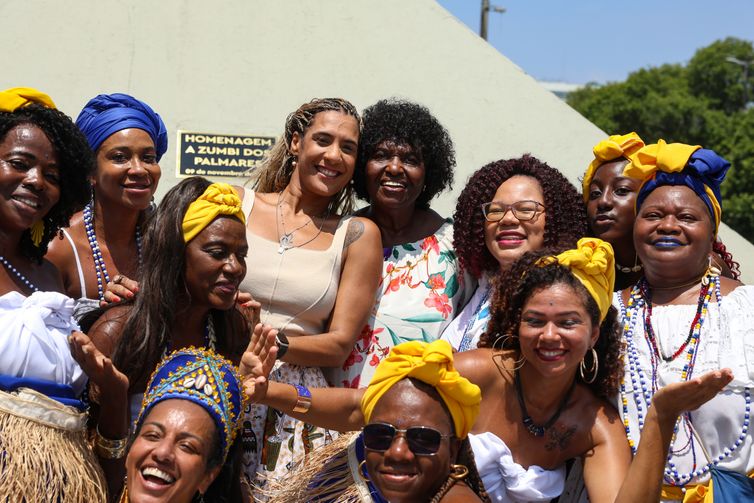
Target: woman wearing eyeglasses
point(508, 208)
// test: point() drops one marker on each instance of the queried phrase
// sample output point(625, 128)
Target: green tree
point(699, 103)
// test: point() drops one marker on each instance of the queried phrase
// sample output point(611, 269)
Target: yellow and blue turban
point(205, 378)
point(431, 363)
point(107, 114)
point(592, 262)
point(699, 169)
point(218, 199)
point(615, 147)
point(17, 97)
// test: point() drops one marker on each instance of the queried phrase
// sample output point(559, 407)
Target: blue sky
point(580, 41)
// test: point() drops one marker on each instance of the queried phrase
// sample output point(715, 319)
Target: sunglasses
point(422, 441)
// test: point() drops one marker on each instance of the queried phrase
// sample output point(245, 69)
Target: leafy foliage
point(702, 103)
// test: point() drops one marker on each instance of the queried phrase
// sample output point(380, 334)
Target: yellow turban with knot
point(17, 97)
point(431, 363)
point(615, 147)
point(592, 262)
point(661, 156)
point(218, 199)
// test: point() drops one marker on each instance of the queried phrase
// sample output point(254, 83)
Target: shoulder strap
point(78, 262)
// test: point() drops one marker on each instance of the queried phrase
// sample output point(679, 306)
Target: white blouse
point(508, 482)
point(726, 339)
point(34, 340)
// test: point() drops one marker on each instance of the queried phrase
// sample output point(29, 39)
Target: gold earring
point(363, 471)
point(517, 364)
point(458, 472)
point(37, 232)
point(593, 370)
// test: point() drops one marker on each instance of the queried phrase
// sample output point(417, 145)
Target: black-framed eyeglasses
point(522, 210)
point(422, 440)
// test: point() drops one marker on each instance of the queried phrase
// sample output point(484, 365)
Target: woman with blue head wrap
point(682, 318)
point(103, 243)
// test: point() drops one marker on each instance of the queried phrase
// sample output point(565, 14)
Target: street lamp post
point(745, 68)
point(486, 8)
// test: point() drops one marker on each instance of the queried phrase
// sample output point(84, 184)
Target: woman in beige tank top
point(314, 272)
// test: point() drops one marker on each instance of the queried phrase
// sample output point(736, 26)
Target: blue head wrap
point(202, 377)
point(109, 113)
point(702, 170)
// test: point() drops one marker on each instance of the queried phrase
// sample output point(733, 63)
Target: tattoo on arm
point(559, 437)
point(354, 232)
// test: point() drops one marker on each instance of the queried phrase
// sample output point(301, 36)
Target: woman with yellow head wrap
point(546, 367)
point(610, 197)
point(683, 318)
point(194, 259)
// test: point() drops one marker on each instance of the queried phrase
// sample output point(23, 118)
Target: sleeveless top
point(297, 288)
point(83, 304)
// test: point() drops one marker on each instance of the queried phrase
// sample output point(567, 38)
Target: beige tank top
point(297, 288)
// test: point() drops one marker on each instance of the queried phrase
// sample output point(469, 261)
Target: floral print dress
point(421, 291)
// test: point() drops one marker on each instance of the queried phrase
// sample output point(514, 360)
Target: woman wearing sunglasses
point(414, 447)
point(508, 208)
point(545, 368)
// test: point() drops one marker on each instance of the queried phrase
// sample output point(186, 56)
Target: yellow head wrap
point(431, 363)
point(592, 262)
point(614, 147)
point(218, 199)
point(16, 97)
point(660, 156)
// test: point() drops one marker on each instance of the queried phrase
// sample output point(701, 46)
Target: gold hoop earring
point(362, 471)
point(458, 472)
point(517, 364)
point(593, 370)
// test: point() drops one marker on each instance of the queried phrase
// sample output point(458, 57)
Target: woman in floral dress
point(406, 157)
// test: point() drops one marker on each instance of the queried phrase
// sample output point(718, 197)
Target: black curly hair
point(565, 221)
point(405, 122)
point(512, 290)
point(75, 164)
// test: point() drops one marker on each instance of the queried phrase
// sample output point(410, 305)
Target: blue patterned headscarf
point(107, 114)
point(699, 169)
point(205, 378)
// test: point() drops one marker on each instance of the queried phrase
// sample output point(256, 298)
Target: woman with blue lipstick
point(682, 319)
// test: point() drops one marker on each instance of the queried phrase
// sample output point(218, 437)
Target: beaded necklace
point(210, 339)
point(648, 384)
point(18, 274)
point(103, 278)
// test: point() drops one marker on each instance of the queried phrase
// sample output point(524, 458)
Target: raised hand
point(679, 397)
point(99, 368)
point(258, 360)
point(119, 289)
point(249, 308)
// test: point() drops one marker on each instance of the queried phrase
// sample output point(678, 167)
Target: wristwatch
point(303, 400)
point(281, 341)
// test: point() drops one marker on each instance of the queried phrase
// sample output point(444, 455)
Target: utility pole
point(486, 8)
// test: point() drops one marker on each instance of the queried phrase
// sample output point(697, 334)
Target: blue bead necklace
point(632, 315)
point(103, 278)
point(18, 274)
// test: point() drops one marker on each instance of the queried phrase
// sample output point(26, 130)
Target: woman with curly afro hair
point(509, 207)
point(406, 158)
point(45, 163)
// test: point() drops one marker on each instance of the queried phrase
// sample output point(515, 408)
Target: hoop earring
point(516, 364)
point(458, 472)
point(593, 370)
point(362, 471)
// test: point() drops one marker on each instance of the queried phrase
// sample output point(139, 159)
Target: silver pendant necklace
point(285, 240)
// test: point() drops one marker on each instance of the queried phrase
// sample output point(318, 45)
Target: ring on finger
point(117, 279)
